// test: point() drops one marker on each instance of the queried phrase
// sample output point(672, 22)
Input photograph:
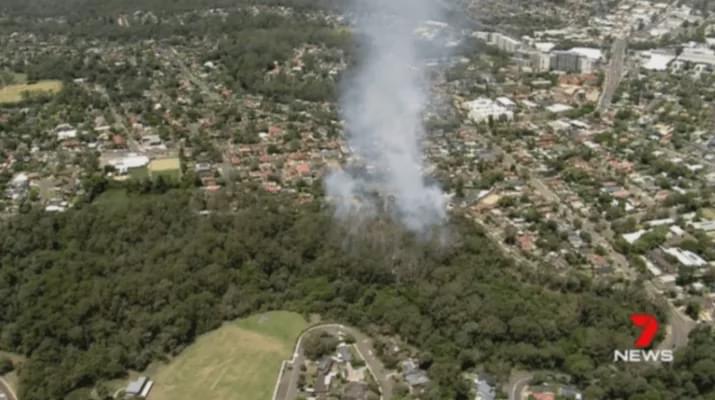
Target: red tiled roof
point(544, 396)
point(303, 168)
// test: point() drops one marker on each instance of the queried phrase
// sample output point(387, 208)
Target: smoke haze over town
point(382, 104)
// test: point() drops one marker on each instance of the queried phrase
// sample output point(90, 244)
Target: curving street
point(287, 388)
point(6, 393)
point(518, 384)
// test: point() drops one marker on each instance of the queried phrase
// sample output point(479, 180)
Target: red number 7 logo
point(649, 328)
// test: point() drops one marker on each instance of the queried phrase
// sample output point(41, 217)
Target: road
point(679, 329)
point(288, 383)
point(6, 391)
point(517, 384)
point(200, 83)
point(119, 118)
point(619, 261)
point(614, 73)
point(679, 326)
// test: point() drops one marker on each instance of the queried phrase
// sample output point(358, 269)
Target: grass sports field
point(169, 168)
point(13, 93)
point(239, 361)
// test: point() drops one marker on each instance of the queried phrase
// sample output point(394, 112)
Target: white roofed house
point(18, 186)
point(707, 226)
point(65, 131)
point(558, 108)
point(506, 103)
point(20, 180)
point(685, 257)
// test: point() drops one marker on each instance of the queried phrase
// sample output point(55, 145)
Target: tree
point(94, 185)
point(318, 344)
point(6, 365)
point(579, 365)
point(693, 310)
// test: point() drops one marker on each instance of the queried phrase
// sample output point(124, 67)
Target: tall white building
point(500, 41)
point(505, 43)
point(540, 62)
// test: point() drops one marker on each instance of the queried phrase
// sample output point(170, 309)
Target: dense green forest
point(92, 8)
point(249, 45)
point(92, 292)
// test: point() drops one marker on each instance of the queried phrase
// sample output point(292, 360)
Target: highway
point(614, 73)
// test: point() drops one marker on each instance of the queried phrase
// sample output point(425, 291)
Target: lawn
point(239, 361)
point(709, 213)
point(13, 93)
point(139, 173)
point(11, 78)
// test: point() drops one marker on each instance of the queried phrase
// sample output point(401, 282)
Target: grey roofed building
point(575, 240)
point(570, 392)
point(345, 354)
point(417, 378)
point(485, 391)
point(413, 375)
point(325, 364)
point(355, 391)
point(320, 386)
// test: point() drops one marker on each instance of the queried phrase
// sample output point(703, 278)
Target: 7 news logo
point(648, 325)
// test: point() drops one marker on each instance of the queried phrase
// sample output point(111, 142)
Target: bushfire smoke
point(382, 103)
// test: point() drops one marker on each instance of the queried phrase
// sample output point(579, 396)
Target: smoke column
point(381, 104)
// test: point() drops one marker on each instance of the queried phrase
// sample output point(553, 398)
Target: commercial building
point(129, 162)
point(540, 62)
point(482, 109)
point(500, 41)
point(505, 43)
point(656, 60)
point(698, 56)
point(569, 61)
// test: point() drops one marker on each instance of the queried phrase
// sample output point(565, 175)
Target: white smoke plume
point(382, 105)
